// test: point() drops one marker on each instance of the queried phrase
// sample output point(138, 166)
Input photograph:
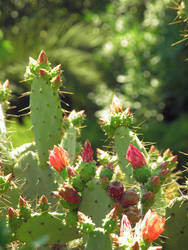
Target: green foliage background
point(106, 47)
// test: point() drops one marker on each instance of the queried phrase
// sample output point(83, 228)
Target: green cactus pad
point(176, 227)
point(46, 224)
point(69, 143)
point(46, 117)
point(98, 240)
point(9, 199)
point(96, 202)
point(33, 180)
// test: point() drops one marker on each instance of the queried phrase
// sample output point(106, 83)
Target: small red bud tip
point(164, 164)
point(6, 84)
point(152, 226)
point(56, 79)
point(42, 72)
point(58, 68)
point(8, 178)
point(152, 149)
point(12, 212)
point(148, 196)
point(164, 172)
point(174, 158)
point(135, 246)
point(87, 153)
point(22, 202)
point(81, 217)
point(128, 112)
point(43, 200)
point(71, 172)
point(116, 106)
point(167, 152)
point(42, 57)
point(113, 214)
point(135, 157)
point(102, 122)
point(155, 180)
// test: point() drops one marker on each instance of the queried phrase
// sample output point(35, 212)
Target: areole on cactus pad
point(55, 193)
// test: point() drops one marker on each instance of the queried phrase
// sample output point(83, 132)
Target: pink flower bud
point(8, 178)
point(125, 228)
point(58, 158)
point(42, 57)
point(87, 153)
point(22, 202)
point(57, 79)
point(43, 200)
point(42, 72)
point(135, 157)
point(69, 194)
point(57, 68)
point(12, 212)
point(152, 226)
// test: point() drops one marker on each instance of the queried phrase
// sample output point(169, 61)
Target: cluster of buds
point(74, 119)
point(41, 68)
point(126, 201)
point(150, 228)
point(117, 118)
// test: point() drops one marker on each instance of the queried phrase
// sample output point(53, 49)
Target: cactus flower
point(58, 158)
point(152, 226)
point(12, 212)
point(22, 202)
point(135, 157)
point(87, 153)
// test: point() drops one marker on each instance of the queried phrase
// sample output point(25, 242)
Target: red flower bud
point(8, 178)
point(135, 246)
point(164, 164)
point(135, 157)
point(167, 152)
point(152, 226)
point(42, 57)
point(12, 212)
point(71, 172)
point(58, 158)
point(116, 107)
point(69, 194)
point(43, 200)
point(22, 202)
point(155, 180)
point(57, 68)
point(164, 172)
point(129, 198)
point(152, 149)
point(87, 153)
point(148, 196)
point(173, 158)
point(57, 79)
point(42, 72)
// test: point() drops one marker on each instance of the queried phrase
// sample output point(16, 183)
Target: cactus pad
point(96, 202)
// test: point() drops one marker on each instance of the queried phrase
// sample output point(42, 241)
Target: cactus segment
point(46, 117)
point(46, 224)
point(176, 228)
point(69, 143)
point(17, 152)
point(33, 180)
point(96, 202)
point(98, 240)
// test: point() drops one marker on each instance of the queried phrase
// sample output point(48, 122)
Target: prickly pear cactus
point(57, 194)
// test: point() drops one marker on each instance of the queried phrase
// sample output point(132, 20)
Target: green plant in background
point(57, 195)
